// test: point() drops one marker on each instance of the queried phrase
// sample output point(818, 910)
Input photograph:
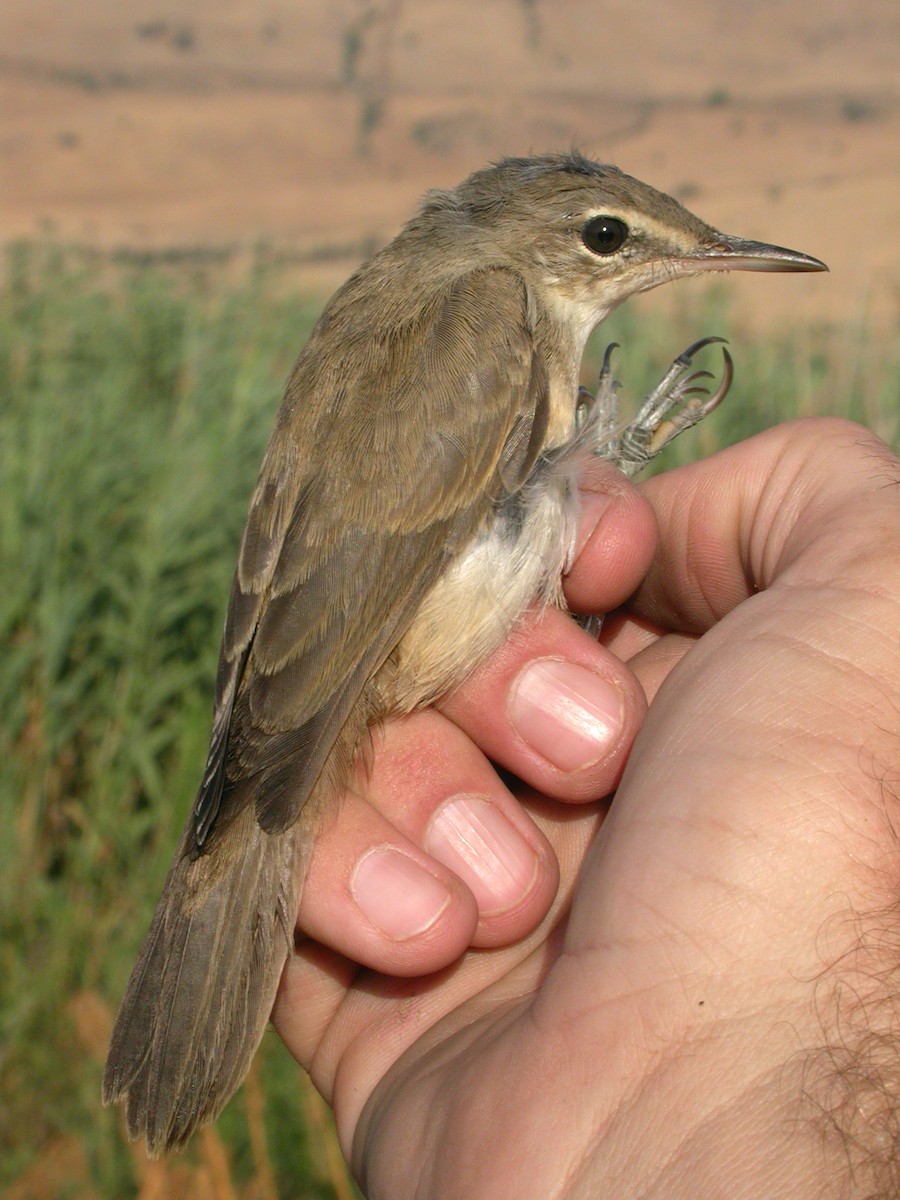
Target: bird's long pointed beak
point(729, 253)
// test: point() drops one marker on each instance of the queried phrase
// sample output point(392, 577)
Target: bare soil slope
point(214, 123)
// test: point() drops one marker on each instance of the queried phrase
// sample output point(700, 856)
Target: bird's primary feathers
point(415, 497)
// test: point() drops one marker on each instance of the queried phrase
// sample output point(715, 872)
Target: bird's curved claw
point(674, 405)
point(685, 358)
point(607, 358)
point(722, 390)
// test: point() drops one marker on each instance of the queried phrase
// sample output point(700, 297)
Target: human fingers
point(551, 705)
point(732, 525)
point(427, 855)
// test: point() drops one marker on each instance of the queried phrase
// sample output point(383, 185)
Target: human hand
point(683, 1030)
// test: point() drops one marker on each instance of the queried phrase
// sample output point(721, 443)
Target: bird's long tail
point(204, 984)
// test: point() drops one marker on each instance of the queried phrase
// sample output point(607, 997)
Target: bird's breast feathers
point(517, 560)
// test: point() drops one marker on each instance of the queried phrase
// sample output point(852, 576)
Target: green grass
point(135, 404)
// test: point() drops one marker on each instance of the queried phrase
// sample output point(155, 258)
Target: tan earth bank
point(212, 124)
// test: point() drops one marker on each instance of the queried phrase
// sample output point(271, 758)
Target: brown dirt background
point(315, 126)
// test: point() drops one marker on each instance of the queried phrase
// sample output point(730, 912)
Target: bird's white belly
point(515, 563)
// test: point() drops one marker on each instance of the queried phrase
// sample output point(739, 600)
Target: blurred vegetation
point(135, 404)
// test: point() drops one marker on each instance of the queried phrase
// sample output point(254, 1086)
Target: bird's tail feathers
point(204, 984)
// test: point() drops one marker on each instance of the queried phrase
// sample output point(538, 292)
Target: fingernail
point(472, 837)
point(396, 894)
point(566, 712)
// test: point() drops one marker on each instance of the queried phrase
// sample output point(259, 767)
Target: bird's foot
point(597, 417)
point(677, 403)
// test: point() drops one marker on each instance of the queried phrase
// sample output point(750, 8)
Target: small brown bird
point(418, 494)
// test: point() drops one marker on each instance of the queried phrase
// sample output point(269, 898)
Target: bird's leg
point(655, 424)
point(597, 417)
point(597, 422)
point(631, 448)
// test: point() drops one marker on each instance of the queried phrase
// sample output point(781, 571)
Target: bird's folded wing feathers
point(359, 504)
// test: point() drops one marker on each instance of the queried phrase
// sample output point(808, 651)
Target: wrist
point(776, 1103)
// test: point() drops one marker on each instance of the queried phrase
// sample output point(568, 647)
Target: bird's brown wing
point(389, 450)
point(388, 453)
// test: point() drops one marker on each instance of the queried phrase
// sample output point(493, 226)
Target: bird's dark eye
point(604, 235)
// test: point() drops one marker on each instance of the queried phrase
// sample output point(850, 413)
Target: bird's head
point(586, 236)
